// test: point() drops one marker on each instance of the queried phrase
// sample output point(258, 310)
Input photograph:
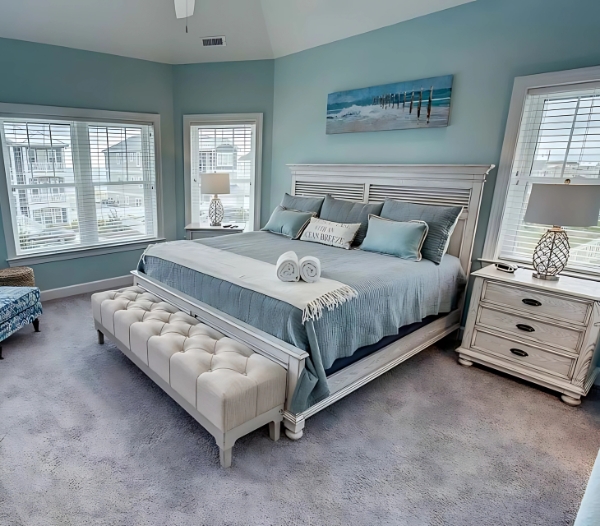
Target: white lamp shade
point(217, 183)
point(563, 205)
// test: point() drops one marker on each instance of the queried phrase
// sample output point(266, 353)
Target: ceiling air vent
point(213, 41)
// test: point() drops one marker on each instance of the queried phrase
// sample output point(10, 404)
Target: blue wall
point(485, 44)
point(223, 87)
point(57, 76)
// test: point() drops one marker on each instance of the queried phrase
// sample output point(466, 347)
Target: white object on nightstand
point(197, 231)
point(546, 332)
point(506, 267)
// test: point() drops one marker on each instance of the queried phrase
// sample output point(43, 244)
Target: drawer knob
point(526, 328)
point(531, 302)
point(519, 352)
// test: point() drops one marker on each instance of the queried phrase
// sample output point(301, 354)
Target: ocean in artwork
point(421, 103)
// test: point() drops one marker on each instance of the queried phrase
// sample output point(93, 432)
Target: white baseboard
point(83, 288)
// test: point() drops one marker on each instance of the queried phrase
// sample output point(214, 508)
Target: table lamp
point(564, 205)
point(215, 184)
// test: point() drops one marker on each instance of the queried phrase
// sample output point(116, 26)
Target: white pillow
point(329, 233)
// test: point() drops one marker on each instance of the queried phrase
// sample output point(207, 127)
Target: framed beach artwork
point(421, 103)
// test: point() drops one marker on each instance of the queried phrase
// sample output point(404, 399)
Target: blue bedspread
point(391, 293)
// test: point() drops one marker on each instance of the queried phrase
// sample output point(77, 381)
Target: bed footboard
point(293, 359)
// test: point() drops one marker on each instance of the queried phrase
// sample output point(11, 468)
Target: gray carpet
point(86, 438)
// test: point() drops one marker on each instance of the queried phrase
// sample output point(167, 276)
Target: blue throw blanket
point(391, 293)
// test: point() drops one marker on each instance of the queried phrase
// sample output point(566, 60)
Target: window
point(206, 161)
point(80, 166)
point(134, 159)
point(225, 159)
point(55, 155)
point(229, 143)
point(557, 137)
point(50, 216)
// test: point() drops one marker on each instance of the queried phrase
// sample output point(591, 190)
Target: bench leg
point(1, 357)
point(274, 431)
point(36, 325)
point(100, 337)
point(225, 456)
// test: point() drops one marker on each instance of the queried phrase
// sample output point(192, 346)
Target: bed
point(402, 307)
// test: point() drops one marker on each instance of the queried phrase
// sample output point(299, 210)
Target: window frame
point(233, 119)
point(28, 111)
point(522, 85)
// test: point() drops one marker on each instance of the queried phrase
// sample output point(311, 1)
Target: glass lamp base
point(216, 212)
point(551, 254)
point(546, 278)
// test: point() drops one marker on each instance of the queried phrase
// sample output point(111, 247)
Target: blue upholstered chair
point(19, 306)
point(589, 511)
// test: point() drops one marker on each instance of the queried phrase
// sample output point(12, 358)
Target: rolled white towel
point(310, 269)
point(288, 268)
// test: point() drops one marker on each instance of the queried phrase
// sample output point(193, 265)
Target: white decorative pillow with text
point(329, 233)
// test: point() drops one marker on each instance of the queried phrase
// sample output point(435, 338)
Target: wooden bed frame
point(428, 184)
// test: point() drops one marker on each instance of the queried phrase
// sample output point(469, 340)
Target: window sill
point(36, 259)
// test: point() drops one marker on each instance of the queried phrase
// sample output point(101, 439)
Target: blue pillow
point(340, 211)
point(401, 239)
point(440, 219)
point(289, 223)
point(303, 204)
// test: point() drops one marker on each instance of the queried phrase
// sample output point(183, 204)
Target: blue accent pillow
point(401, 239)
point(340, 211)
point(303, 204)
point(290, 223)
point(440, 219)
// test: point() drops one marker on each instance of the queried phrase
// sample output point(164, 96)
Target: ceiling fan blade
point(184, 8)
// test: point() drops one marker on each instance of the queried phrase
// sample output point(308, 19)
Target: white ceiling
point(254, 29)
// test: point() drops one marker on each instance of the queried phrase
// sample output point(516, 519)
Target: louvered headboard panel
point(441, 185)
point(422, 195)
point(350, 191)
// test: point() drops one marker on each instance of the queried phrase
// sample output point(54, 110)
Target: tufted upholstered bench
point(228, 388)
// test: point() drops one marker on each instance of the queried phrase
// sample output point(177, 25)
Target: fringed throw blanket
point(310, 298)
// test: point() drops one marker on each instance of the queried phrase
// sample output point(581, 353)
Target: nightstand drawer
point(525, 327)
point(539, 303)
point(522, 353)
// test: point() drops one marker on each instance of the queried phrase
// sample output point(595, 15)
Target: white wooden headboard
point(447, 185)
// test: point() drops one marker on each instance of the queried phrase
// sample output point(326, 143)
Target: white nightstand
point(197, 231)
point(542, 331)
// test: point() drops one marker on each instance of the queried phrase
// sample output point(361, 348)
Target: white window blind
point(224, 148)
point(559, 139)
point(75, 184)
